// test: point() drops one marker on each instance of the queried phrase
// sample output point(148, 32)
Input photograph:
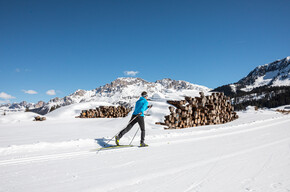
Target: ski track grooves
point(43, 158)
point(14, 149)
point(175, 170)
point(81, 153)
point(227, 134)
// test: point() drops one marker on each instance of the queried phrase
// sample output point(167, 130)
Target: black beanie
point(144, 94)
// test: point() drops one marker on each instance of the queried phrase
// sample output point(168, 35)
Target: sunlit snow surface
point(251, 153)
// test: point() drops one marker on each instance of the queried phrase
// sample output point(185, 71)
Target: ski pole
point(134, 135)
point(147, 113)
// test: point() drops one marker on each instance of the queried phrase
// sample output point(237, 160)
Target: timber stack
point(286, 112)
point(105, 112)
point(197, 111)
point(38, 118)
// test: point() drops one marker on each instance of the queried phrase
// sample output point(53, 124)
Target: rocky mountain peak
point(125, 81)
point(79, 92)
point(120, 83)
point(181, 85)
point(276, 73)
point(39, 104)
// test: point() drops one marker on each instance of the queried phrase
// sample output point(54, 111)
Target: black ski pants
point(140, 120)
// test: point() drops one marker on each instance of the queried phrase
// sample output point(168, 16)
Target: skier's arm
point(144, 107)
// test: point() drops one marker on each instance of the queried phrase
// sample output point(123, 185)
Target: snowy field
point(251, 153)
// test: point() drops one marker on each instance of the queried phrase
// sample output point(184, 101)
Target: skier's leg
point(129, 126)
point(142, 127)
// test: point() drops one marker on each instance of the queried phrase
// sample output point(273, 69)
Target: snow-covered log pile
point(105, 112)
point(203, 110)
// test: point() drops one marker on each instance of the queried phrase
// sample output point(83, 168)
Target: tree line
point(261, 96)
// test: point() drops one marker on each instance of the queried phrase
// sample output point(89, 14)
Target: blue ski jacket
point(141, 106)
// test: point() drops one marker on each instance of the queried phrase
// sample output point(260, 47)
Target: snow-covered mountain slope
point(248, 154)
point(276, 73)
point(126, 91)
point(273, 74)
point(266, 86)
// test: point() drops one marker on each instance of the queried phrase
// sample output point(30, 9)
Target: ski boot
point(117, 140)
point(143, 145)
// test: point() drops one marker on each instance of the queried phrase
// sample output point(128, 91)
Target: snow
point(279, 82)
point(71, 111)
point(233, 87)
point(14, 117)
point(260, 81)
point(249, 154)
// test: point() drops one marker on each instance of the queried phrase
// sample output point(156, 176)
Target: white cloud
point(31, 92)
point(17, 70)
point(4, 102)
point(6, 96)
point(131, 73)
point(51, 92)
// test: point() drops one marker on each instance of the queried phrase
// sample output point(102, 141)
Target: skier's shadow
point(103, 142)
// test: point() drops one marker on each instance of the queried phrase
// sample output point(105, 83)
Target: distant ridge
point(122, 91)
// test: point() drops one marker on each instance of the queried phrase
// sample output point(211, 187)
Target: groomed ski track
point(251, 156)
point(177, 138)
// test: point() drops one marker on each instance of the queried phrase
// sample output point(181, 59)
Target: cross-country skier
point(138, 116)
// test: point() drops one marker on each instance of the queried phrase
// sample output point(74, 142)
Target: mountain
point(22, 106)
point(265, 86)
point(273, 74)
point(124, 91)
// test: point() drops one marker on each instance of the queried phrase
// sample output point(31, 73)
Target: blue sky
point(51, 48)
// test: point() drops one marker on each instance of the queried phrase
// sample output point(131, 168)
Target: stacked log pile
point(286, 112)
point(203, 110)
point(105, 112)
point(38, 118)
